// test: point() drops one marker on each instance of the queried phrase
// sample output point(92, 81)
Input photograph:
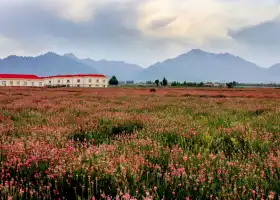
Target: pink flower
point(271, 195)
point(126, 196)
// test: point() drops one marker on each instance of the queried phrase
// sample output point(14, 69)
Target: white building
point(77, 80)
point(21, 80)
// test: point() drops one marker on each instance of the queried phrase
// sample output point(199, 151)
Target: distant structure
point(129, 82)
point(75, 80)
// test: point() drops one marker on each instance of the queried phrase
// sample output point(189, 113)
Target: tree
point(164, 82)
point(229, 85)
point(149, 82)
point(232, 84)
point(174, 83)
point(113, 81)
point(201, 84)
point(157, 82)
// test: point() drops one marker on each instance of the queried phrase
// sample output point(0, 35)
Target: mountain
point(274, 73)
point(43, 65)
point(122, 70)
point(195, 65)
point(198, 65)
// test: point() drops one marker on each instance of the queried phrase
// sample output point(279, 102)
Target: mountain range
point(196, 65)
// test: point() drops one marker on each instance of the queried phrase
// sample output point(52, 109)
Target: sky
point(141, 32)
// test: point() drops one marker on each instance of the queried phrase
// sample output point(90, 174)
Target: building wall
point(78, 81)
point(21, 82)
point(54, 81)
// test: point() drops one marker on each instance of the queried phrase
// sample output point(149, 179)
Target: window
point(4, 83)
point(50, 82)
point(40, 83)
point(32, 83)
point(58, 81)
point(11, 83)
point(89, 85)
point(78, 85)
point(96, 85)
point(68, 85)
point(97, 80)
point(18, 82)
point(78, 80)
point(89, 80)
point(104, 81)
point(25, 83)
point(68, 81)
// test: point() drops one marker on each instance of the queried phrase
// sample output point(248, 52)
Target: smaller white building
point(76, 80)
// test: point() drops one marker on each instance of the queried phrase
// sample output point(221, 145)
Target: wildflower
point(271, 195)
point(185, 158)
point(126, 196)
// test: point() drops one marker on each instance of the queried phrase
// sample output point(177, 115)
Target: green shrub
point(106, 131)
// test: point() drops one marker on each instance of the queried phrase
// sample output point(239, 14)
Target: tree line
point(164, 83)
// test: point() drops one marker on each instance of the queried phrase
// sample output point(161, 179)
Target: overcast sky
point(141, 31)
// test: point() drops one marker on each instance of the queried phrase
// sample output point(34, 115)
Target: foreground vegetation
point(136, 144)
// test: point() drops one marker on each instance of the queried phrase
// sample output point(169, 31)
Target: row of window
point(17, 83)
point(25, 83)
point(78, 81)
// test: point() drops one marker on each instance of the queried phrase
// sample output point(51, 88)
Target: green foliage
point(232, 84)
point(164, 82)
point(157, 82)
point(106, 131)
point(187, 84)
point(113, 81)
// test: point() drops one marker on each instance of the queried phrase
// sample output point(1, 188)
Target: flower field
point(135, 144)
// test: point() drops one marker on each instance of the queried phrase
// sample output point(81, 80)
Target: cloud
point(264, 35)
point(141, 32)
point(160, 23)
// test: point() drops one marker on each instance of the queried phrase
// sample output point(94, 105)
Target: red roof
point(31, 76)
point(77, 75)
point(19, 76)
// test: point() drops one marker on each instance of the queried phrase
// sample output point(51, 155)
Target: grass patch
point(106, 131)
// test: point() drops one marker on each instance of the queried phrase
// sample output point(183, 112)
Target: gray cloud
point(264, 35)
point(112, 33)
point(32, 21)
point(160, 23)
point(32, 27)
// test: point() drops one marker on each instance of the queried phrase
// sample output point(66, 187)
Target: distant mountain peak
point(196, 51)
point(70, 55)
point(50, 54)
point(11, 57)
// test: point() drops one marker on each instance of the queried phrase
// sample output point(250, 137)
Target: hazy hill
point(44, 65)
point(122, 70)
point(274, 73)
point(198, 65)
